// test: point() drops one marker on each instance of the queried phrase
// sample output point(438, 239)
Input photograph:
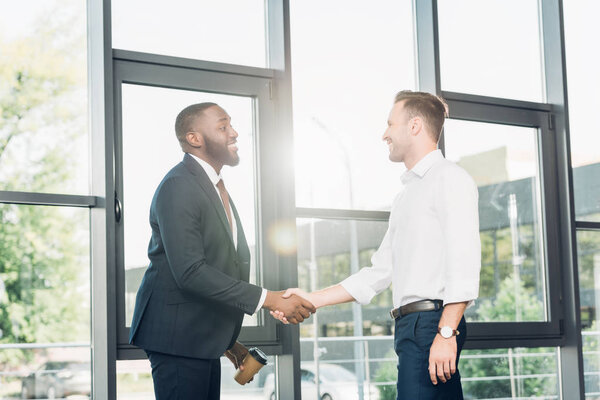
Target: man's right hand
point(294, 308)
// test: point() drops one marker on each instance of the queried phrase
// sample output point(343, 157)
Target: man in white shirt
point(431, 253)
point(195, 292)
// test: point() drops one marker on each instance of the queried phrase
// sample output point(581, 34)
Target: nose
point(233, 133)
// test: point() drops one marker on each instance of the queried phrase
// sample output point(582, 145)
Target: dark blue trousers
point(182, 378)
point(413, 337)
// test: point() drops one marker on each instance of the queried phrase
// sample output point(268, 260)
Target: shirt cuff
point(357, 288)
point(263, 296)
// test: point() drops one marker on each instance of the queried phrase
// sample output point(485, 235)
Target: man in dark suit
point(190, 305)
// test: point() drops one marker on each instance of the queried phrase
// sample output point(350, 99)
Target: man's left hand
point(236, 355)
point(442, 359)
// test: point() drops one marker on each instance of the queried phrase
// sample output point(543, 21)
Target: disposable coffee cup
point(252, 363)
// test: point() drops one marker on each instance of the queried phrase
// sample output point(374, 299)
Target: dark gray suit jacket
point(195, 292)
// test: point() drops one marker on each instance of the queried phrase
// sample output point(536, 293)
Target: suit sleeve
point(179, 218)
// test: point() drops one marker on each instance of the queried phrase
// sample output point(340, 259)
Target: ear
point(194, 139)
point(416, 125)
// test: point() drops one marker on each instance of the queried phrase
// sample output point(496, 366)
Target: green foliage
point(498, 361)
point(387, 372)
point(514, 302)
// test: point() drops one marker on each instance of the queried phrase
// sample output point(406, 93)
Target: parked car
point(57, 379)
point(336, 383)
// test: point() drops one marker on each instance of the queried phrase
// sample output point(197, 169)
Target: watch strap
point(455, 332)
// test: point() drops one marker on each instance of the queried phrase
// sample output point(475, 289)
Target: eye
point(223, 128)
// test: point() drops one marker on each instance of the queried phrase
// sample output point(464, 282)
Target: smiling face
point(218, 136)
point(398, 133)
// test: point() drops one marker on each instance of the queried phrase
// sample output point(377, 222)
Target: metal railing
point(509, 354)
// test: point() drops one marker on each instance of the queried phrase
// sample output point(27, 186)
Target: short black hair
point(185, 119)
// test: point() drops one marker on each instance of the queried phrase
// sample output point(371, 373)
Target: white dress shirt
point(431, 249)
point(214, 179)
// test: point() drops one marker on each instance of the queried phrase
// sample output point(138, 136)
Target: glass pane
point(46, 373)
point(151, 111)
point(491, 48)
point(229, 31)
point(588, 252)
point(344, 82)
point(503, 162)
point(43, 97)
point(581, 29)
point(328, 252)
point(44, 275)
point(519, 373)
point(134, 381)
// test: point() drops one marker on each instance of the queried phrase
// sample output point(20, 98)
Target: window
point(43, 98)
point(45, 287)
point(229, 31)
point(150, 150)
point(503, 162)
point(491, 48)
point(342, 94)
point(149, 98)
point(134, 380)
point(580, 29)
point(45, 264)
point(588, 251)
point(510, 373)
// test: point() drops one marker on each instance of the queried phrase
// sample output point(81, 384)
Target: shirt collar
point(427, 162)
point(421, 167)
point(210, 171)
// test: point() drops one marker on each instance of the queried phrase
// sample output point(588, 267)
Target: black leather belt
point(417, 306)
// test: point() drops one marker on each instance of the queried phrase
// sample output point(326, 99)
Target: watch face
point(446, 332)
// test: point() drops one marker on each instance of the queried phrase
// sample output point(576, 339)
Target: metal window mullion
point(287, 366)
point(587, 225)
point(200, 65)
point(496, 101)
point(330, 213)
point(48, 199)
point(571, 358)
point(103, 330)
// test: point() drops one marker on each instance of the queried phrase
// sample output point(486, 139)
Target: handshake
point(292, 305)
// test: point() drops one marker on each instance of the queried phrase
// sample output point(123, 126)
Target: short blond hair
point(433, 109)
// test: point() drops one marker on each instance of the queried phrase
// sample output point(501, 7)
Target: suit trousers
point(183, 378)
point(413, 336)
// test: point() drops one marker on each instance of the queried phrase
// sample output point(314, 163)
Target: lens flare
point(282, 237)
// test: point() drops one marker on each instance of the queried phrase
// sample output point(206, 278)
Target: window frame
point(522, 114)
point(184, 74)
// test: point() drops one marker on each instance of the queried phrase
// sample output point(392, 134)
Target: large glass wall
point(502, 150)
point(44, 248)
point(583, 84)
point(347, 61)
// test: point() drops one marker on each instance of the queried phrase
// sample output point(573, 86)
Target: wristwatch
point(447, 332)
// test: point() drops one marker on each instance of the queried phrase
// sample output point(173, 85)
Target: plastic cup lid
point(258, 355)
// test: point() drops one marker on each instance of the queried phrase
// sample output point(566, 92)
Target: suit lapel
point(205, 183)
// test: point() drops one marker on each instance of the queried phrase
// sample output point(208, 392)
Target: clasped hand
point(283, 316)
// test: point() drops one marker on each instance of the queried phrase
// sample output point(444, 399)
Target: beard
point(220, 152)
